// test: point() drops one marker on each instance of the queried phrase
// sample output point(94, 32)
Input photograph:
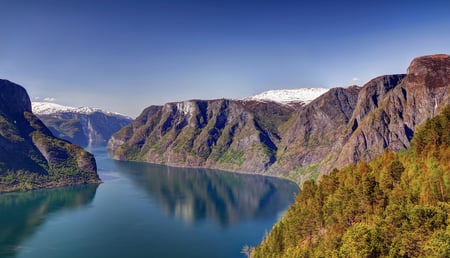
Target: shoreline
point(242, 172)
point(50, 185)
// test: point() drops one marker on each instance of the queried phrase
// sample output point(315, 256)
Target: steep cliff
point(82, 126)
point(30, 156)
point(227, 134)
point(390, 121)
point(312, 132)
point(341, 126)
point(384, 113)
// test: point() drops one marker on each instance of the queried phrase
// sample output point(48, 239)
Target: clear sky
point(126, 55)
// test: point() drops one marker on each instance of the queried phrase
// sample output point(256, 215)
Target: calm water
point(144, 210)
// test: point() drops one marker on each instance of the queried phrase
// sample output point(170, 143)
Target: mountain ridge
point(341, 126)
point(48, 108)
point(201, 133)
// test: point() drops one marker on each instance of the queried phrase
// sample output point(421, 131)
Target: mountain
point(341, 126)
point(30, 156)
point(83, 126)
point(396, 205)
point(229, 134)
point(289, 96)
point(389, 112)
point(312, 131)
point(358, 123)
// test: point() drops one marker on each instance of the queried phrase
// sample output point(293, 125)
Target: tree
point(361, 240)
point(439, 244)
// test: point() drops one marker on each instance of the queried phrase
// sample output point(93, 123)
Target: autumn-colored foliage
point(397, 205)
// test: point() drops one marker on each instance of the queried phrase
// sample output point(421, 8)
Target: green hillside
point(30, 156)
point(397, 205)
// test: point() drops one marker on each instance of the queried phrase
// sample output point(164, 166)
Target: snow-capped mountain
point(48, 108)
point(286, 96)
point(84, 126)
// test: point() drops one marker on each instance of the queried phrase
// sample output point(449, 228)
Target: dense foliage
point(397, 205)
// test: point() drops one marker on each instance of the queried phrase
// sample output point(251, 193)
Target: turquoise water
point(144, 210)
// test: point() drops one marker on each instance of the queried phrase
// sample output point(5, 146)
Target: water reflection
point(201, 194)
point(22, 213)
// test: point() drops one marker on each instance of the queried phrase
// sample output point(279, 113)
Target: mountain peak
point(10, 90)
point(431, 71)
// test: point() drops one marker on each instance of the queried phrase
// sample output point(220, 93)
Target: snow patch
point(47, 108)
point(287, 96)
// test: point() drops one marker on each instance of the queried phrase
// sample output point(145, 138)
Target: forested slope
point(396, 205)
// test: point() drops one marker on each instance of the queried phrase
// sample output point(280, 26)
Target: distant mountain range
point(84, 126)
point(261, 134)
point(50, 108)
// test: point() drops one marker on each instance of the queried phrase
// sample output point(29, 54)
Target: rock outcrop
point(30, 156)
point(342, 126)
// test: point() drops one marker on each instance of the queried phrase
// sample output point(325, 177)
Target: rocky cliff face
point(340, 127)
point(81, 126)
point(227, 134)
point(30, 156)
point(391, 121)
point(312, 131)
point(384, 113)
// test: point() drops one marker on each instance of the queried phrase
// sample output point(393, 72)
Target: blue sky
point(126, 55)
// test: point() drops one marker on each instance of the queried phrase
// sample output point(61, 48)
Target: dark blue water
point(144, 210)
